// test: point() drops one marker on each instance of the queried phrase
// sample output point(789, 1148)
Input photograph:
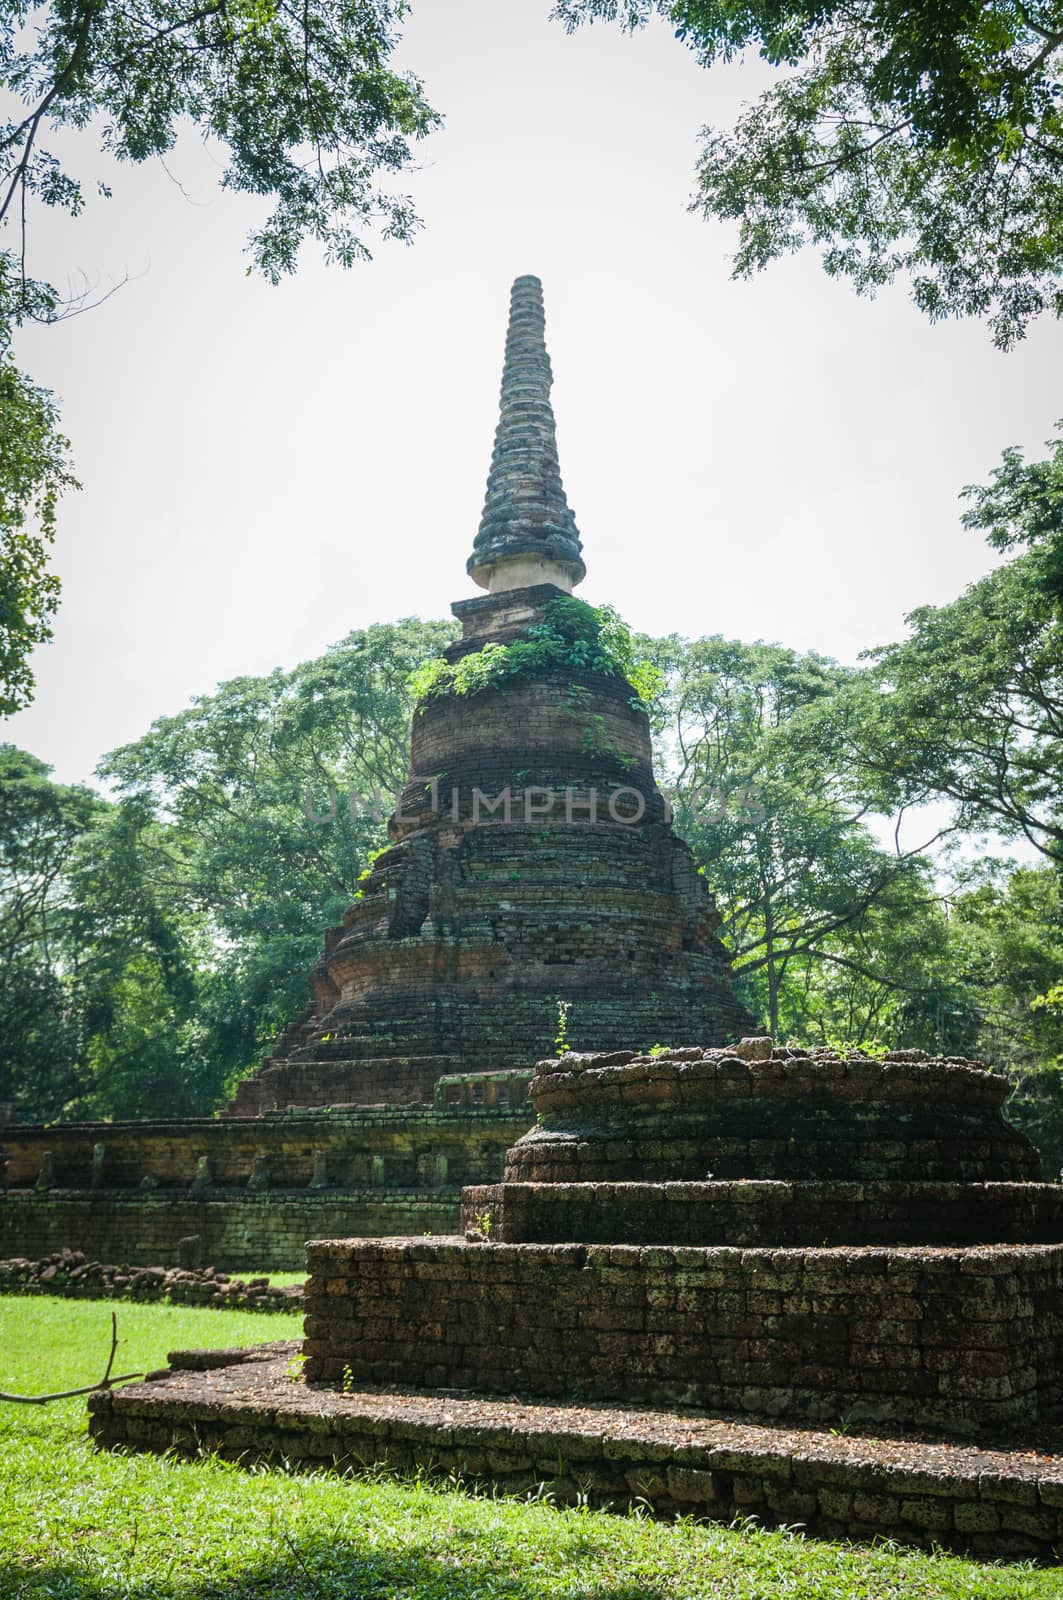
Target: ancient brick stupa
point(726, 1276)
point(532, 865)
point(532, 859)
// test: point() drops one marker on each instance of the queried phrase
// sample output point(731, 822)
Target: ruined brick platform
point(254, 1191)
point(763, 1111)
point(873, 1298)
point(243, 1406)
point(901, 1288)
point(963, 1339)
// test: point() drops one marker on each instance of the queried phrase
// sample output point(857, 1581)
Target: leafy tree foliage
point(1007, 950)
point(33, 473)
point(141, 972)
point(1023, 507)
point(302, 97)
point(572, 636)
point(781, 832)
point(221, 833)
point(41, 824)
point(893, 980)
point(153, 946)
point(925, 138)
point(970, 707)
point(311, 116)
point(837, 938)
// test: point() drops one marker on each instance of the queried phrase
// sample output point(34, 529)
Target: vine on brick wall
point(572, 636)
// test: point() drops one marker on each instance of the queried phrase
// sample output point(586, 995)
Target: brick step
point(243, 1405)
point(755, 1212)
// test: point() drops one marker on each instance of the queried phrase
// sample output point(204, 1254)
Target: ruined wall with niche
point(254, 1190)
point(238, 1232)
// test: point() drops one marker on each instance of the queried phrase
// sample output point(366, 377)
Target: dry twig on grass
point(106, 1382)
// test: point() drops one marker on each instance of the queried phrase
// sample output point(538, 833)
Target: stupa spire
point(527, 533)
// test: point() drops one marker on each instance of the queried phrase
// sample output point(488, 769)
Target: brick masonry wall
point(957, 1339)
point(239, 1232)
point(394, 1081)
point(421, 1147)
point(535, 718)
point(467, 930)
point(766, 1213)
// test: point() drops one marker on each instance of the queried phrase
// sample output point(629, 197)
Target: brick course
point(692, 1114)
point(754, 1212)
point(351, 1147)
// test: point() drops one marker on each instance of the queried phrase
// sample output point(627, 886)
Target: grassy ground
point(74, 1523)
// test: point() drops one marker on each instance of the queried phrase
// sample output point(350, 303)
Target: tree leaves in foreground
point(33, 473)
point(920, 138)
point(302, 97)
point(310, 116)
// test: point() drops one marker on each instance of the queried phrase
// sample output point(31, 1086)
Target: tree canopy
point(969, 708)
point(311, 116)
point(173, 927)
point(817, 910)
point(33, 473)
point(924, 138)
point(41, 826)
point(302, 98)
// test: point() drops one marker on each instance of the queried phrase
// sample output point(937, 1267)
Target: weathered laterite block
point(580, 1276)
point(239, 1232)
point(254, 1189)
point(787, 1113)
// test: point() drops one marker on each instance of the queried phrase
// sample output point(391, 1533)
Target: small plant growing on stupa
point(561, 1044)
point(658, 1049)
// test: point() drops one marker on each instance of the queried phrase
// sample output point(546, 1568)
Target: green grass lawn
point(74, 1522)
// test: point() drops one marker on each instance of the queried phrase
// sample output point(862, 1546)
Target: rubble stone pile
point(70, 1273)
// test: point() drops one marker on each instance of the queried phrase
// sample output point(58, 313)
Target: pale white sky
point(265, 469)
